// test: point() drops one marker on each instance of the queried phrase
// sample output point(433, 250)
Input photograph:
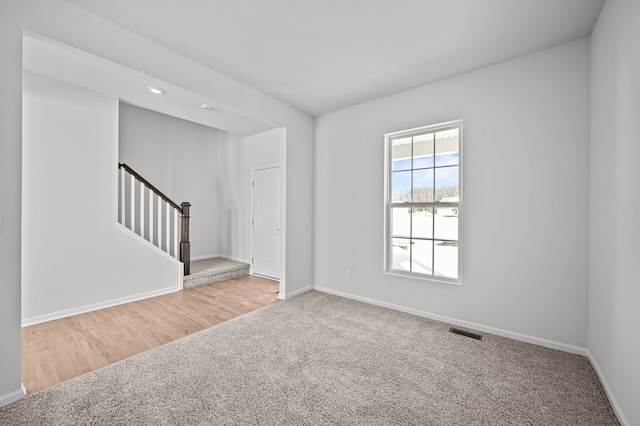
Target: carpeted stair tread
point(207, 271)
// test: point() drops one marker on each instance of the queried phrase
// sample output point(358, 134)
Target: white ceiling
point(61, 62)
point(324, 55)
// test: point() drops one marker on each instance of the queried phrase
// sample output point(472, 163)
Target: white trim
point(95, 306)
point(12, 397)
point(266, 277)
point(387, 256)
point(181, 277)
point(176, 242)
point(167, 235)
point(268, 166)
point(415, 130)
point(206, 256)
point(237, 259)
point(415, 276)
point(123, 213)
point(147, 244)
point(222, 256)
point(488, 329)
point(296, 292)
point(608, 391)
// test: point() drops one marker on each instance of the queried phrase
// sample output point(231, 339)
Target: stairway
point(209, 271)
point(151, 215)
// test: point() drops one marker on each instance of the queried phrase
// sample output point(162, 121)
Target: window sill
point(442, 280)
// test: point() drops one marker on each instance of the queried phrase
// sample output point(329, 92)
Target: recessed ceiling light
point(207, 107)
point(156, 90)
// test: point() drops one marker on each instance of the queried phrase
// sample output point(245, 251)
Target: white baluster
point(168, 234)
point(159, 222)
point(142, 197)
point(133, 203)
point(151, 216)
point(176, 254)
point(122, 196)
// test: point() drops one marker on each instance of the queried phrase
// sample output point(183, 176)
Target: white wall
point(238, 157)
point(72, 253)
point(180, 158)
point(614, 230)
point(10, 200)
point(70, 25)
point(526, 197)
point(208, 167)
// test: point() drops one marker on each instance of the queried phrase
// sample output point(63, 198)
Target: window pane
point(447, 148)
point(400, 254)
point(446, 226)
point(423, 149)
point(400, 186)
point(401, 154)
point(422, 220)
point(445, 259)
point(448, 184)
point(400, 222)
point(403, 164)
point(423, 201)
point(421, 257)
point(423, 186)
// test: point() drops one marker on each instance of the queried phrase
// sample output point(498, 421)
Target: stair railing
point(146, 211)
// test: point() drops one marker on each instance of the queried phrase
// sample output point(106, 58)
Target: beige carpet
point(207, 271)
point(320, 359)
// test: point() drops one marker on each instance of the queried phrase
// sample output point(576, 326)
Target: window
point(423, 202)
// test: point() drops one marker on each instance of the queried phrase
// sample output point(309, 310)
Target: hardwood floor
point(59, 350)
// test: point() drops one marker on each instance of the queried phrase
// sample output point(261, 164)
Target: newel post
point(185, 245)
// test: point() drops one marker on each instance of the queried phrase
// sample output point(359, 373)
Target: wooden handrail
point(150, 186)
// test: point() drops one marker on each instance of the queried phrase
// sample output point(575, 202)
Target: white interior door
point(266, 222)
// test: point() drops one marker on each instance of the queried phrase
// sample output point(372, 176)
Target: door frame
point(280, 259)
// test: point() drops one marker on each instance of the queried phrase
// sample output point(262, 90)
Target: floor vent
point(465, 333)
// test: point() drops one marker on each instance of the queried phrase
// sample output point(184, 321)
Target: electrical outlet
point(347, 274)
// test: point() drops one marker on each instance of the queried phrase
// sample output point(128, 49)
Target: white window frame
point(388, 258)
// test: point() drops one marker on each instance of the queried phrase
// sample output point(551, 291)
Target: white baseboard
point(497, 331)
point(12, 396)
point(295, 292)
point(612, 400)
point(265, 277)
point(208, 256)
point(222, 256)
point(237, 259)
point(95, 306)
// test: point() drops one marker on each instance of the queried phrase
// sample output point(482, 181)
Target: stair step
point(207, 271)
